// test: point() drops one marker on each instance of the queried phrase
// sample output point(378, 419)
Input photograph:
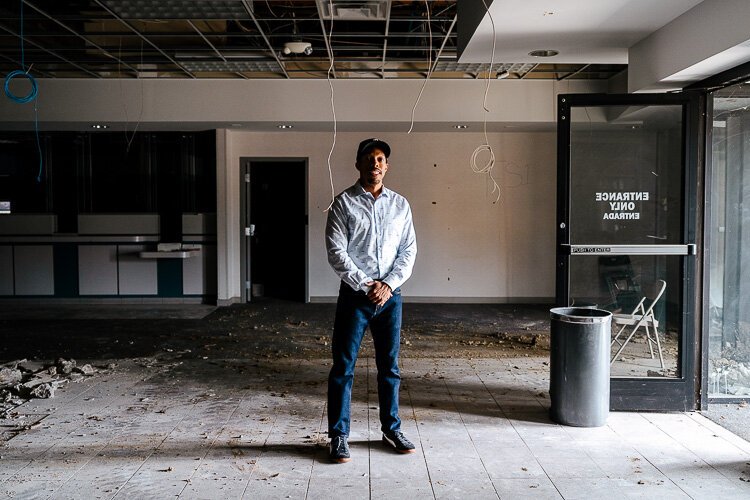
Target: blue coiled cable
point(31, 96)
point(21, 99)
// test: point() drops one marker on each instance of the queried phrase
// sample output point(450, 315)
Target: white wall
point(469, 248)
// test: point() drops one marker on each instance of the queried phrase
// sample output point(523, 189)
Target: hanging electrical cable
point(429, 67)
point(129, 137)
point(30, 97)
point(21, 99)
point(140, 113)
point(333, 106)
point(490, 164)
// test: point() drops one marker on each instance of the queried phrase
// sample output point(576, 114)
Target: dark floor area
point(271, 328)
point(262, 329)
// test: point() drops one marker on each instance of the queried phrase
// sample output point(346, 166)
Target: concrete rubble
point(22, 380)
point(729, 377)
point(729, 368)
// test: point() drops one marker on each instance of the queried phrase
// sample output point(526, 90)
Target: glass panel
point(626, 175)
point(618, 283)
point(121, 178)
point(729, 240)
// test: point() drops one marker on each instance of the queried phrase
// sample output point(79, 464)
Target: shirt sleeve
point(407, 254)
point(337, 242)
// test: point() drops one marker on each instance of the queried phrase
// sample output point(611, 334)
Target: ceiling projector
point(297, 48)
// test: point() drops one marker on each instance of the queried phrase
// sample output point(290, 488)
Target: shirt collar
point(359, 190)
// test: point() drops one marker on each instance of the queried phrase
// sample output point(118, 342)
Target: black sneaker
point(398, 441)
point(339, 450)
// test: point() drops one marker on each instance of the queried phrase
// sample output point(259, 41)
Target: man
point(371, 246)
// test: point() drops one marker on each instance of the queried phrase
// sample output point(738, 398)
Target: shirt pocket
point(357, 227)
point(395, 228)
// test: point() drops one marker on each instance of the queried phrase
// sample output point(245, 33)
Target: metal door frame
point(645, 393)
point(245, 267)
point(245, 278)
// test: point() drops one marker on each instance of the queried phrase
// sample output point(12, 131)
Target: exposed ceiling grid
point(245, 38)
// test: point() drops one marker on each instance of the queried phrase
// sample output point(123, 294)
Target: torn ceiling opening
point(246, 39)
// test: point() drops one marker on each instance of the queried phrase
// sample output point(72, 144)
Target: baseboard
point(228, 302)
point(107, 300)
point(323, 300)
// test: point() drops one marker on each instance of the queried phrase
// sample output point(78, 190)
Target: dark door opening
point(276, 215)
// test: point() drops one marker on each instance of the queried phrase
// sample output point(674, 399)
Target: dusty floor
point(230, 403)
point(265, 328)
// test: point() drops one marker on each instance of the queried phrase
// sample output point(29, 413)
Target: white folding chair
point(641, 317)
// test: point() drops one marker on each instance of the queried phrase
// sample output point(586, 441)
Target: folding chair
point(641, 316)
point(620, 281)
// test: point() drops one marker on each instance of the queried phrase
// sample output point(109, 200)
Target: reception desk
point(110, 257)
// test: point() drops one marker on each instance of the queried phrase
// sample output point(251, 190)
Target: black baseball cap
point(368, 144)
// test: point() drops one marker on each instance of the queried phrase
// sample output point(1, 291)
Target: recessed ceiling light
point(284, 126)
point(544, 53)
point(98, 126)
point(460, 127)
point(502, 75)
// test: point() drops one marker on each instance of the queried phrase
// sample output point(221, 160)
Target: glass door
point(626, 194)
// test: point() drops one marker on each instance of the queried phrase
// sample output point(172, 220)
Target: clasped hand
point(379, 292)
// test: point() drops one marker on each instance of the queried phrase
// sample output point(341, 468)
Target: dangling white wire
point(429, 67)
point(490, 164)
point(140, 113)
point(333, 107)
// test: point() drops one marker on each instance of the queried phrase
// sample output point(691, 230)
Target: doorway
point(626, 236)
point(274, 228)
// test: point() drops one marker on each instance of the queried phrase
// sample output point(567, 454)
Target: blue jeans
point(354, 313)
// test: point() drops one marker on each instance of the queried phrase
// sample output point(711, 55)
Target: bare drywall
point(470, 249)
point(259, 105)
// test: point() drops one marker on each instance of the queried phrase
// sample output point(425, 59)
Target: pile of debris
point(729, 376)
point(729, 370)
point(22, 380)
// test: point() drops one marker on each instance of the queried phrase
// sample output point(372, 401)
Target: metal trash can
point(579, 366)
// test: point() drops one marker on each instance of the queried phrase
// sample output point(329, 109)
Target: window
point(121, 179)
point(728, 237)
point(19, 168)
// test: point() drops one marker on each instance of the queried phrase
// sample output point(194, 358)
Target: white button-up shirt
point(370, 238)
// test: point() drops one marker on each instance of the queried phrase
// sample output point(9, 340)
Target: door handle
point(688, 249)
